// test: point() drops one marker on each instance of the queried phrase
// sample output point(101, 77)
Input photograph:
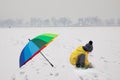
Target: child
point(79, 57)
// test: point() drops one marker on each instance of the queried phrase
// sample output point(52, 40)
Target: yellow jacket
point(78, 51)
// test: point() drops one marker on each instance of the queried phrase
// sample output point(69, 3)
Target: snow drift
point(105, 56)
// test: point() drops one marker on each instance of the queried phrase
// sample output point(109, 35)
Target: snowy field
point(105, 56)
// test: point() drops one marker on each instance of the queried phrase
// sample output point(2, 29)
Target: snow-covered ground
point(105, 56)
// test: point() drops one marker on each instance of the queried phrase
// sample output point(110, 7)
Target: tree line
point(59, 22)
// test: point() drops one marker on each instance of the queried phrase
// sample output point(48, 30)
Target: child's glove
point(89, 66)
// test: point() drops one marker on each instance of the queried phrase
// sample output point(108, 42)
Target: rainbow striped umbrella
point(35, 46)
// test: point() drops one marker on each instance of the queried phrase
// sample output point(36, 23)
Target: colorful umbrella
point(35, 46)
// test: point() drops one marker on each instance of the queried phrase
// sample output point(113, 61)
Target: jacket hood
point(80, 48)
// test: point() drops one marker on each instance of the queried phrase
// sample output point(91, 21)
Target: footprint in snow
point(103, 58)
point(22, 73)
point(51, 74)
point(13, 78)
point(56, 74)
point(63, 66)
point(38, 71)
point(26, 77)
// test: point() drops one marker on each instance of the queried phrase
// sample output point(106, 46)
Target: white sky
point(59, 8)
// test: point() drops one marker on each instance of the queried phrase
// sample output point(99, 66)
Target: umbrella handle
point(47, 59)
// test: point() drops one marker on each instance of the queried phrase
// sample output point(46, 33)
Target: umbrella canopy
point(35, 46)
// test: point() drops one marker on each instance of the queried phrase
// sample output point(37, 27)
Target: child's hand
point(90, 65)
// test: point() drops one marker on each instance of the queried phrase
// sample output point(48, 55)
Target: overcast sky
point(59, 8)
